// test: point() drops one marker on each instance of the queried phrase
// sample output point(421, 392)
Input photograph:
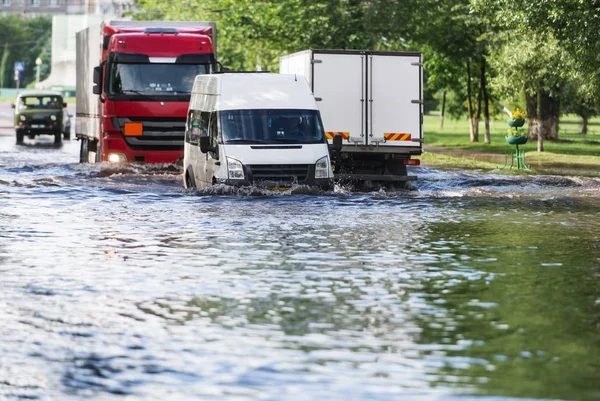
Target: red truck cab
point(143, 82)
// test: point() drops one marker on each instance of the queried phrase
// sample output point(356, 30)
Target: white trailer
point(374, 101)
point(88, 44)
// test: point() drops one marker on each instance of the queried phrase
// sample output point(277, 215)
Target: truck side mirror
point(223, 69)
point(97, 89)
point(337, 142)
point(205, 144)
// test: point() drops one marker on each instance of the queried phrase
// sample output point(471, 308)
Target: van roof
point(234, 91)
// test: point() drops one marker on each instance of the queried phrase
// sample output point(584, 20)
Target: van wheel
point(189, 179)
point(20, 137)
point(58, 138)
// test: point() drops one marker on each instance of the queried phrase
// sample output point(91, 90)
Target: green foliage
point(549, 45)
point(516, 131)
point(254, 35)
point(23, 40)
point(574, 23)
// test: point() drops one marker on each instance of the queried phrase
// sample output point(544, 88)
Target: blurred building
point(56, 7)
point(68, 17)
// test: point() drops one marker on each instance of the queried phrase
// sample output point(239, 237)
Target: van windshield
point(271, 126)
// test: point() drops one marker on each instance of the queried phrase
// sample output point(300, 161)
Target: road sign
point(19, 66)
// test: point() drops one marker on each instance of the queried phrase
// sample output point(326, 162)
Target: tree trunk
point(477, 118)
point(542, 111)
point(540, 136)
point(550, 111)
point(3, 63)
point(487, 138)
point(472, 132)
point(443, 110)
point(584, 125)
point(532, 112)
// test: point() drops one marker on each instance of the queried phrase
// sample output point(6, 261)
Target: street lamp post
point(38, 64)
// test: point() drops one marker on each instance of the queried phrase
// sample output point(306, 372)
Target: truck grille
point(284, 173)
point(165, 133)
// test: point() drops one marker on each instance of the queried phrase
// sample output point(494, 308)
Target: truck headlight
point(53, 117)
point(322, 167)
point(117, 158)
point(22, 118)
point(235, 169)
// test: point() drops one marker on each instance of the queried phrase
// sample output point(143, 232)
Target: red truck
point(134, 80)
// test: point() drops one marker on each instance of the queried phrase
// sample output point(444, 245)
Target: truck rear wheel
point(83, 151)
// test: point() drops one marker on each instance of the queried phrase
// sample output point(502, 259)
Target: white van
point(255, 129)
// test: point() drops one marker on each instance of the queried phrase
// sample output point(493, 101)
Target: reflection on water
point(119, 283)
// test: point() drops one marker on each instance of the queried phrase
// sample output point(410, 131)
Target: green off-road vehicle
point(40, 113)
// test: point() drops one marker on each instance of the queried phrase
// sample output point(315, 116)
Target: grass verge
point(572, 151)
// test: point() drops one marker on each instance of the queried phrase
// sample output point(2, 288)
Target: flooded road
point(118, 284)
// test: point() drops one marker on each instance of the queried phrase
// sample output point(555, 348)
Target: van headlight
point(322, 167)
point(53, 117)
point(235, 169)
point(22, 117)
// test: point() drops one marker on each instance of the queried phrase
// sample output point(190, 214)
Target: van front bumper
point(325, 184)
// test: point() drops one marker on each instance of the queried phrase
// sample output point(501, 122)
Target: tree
point(551, 43)
point(532, 65)
point(457, 37)
point(22, 40)
point(254, 35)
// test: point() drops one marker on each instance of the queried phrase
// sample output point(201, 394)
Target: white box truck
point(373, 102)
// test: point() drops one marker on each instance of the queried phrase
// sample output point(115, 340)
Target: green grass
point(455, 136)
point(438, 159)
point(573, 153)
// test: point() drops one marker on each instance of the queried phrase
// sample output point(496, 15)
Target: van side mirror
point(64, 105)
point(336, 148)
point(97, 89)
point(337, 142)
point(205, 144)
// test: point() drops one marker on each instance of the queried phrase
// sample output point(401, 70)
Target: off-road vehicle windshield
point(39, 102)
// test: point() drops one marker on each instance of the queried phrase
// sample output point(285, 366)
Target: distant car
point(40, 113)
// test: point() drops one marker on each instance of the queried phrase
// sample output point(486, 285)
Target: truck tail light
point(412, 162)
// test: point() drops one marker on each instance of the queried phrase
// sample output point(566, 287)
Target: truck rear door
point(338, 81)
point(394, 104)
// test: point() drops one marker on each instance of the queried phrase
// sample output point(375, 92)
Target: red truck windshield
point(153, 80)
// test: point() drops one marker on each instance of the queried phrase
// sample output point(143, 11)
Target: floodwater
point(118, 284)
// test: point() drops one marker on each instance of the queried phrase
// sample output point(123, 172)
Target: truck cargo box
point(373, 99)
